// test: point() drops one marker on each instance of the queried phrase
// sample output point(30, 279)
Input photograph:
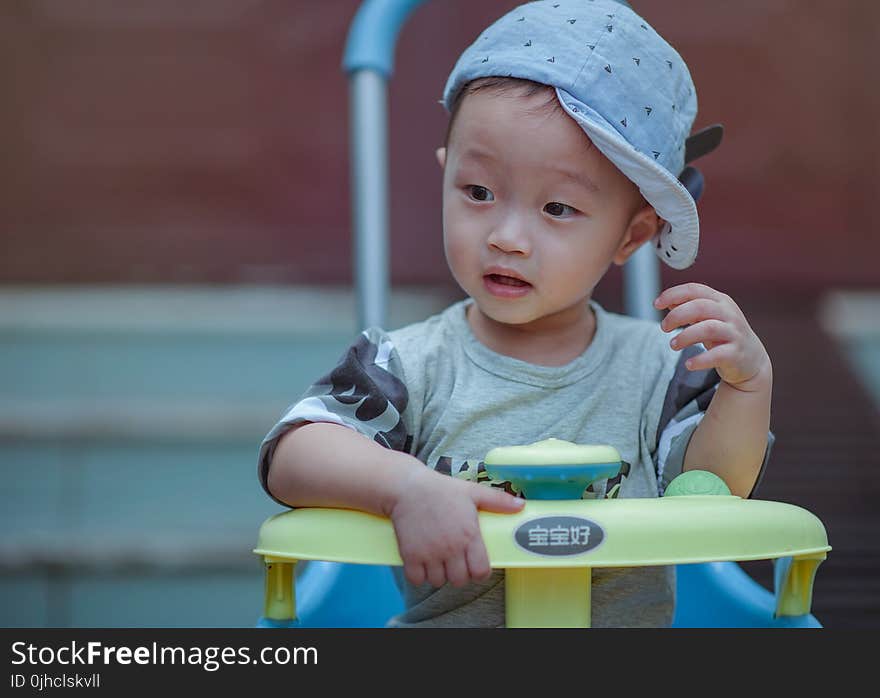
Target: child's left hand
point(715, 320)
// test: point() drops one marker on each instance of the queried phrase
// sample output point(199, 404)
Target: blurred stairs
point(130, 420)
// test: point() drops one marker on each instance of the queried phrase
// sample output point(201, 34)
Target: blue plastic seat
point(710, 594)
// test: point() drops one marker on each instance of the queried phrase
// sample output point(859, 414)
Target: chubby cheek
point(460, 244)
point(454, 255)
point(575, 270)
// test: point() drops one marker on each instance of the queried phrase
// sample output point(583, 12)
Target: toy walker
point(550, 547)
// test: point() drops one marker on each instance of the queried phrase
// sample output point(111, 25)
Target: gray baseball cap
point(628, 89)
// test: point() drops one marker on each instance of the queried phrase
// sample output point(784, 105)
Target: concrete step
point(130, 533)
point(130, 421)
point(242, 344)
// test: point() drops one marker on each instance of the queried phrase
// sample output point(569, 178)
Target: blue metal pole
point(369, 63)
point(641, 283)
point(372, 36)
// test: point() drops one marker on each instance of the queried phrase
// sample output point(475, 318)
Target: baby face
point(533, 213)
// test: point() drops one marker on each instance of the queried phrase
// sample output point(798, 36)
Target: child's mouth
point(507, 280)
point(505, 286)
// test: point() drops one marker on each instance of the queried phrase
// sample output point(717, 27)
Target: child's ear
point(441, 157)
point(642, 227)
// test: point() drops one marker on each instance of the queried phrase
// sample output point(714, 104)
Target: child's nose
point(511, 237)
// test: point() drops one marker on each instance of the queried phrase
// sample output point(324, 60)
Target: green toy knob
point(696, 482)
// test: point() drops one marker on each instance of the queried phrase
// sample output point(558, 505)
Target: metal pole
point(369, 63)
point(369, 186)
point(641, 284)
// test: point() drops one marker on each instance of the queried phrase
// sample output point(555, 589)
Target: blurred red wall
point(183, 142)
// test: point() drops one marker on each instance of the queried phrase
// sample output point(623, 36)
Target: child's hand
point(711, 317)
point(438, 534)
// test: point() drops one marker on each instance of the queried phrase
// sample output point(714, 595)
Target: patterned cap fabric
point(620, 80)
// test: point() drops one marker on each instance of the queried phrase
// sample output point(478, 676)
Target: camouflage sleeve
point(687, 399)
point(365, 392)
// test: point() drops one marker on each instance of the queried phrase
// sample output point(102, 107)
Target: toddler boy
point(567, 131)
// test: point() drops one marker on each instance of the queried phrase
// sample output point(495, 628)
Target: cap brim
point(678, 241)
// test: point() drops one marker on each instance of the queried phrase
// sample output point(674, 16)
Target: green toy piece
point(696, 482)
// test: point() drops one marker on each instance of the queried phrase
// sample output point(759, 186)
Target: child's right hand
point(438, 533)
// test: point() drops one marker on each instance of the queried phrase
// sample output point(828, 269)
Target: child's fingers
point(415, 573)
point(713, 358)
point(707, 332)
point(477, 560)
point(436, 573)
point(692, 312)
point(676, 295)
point(456, 570)
point(497, 500)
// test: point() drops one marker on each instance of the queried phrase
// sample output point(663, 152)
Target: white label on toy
point(559, 535)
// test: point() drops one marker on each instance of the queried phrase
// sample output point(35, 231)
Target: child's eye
point(556, 209)
point(479, 193)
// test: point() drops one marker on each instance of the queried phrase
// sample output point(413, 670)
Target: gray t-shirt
point(433, 390)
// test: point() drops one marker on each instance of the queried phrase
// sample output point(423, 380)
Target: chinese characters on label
point(559, 535)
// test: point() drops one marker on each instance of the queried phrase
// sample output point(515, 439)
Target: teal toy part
point(696, 482)
point(552, 481)
point(552, 468)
